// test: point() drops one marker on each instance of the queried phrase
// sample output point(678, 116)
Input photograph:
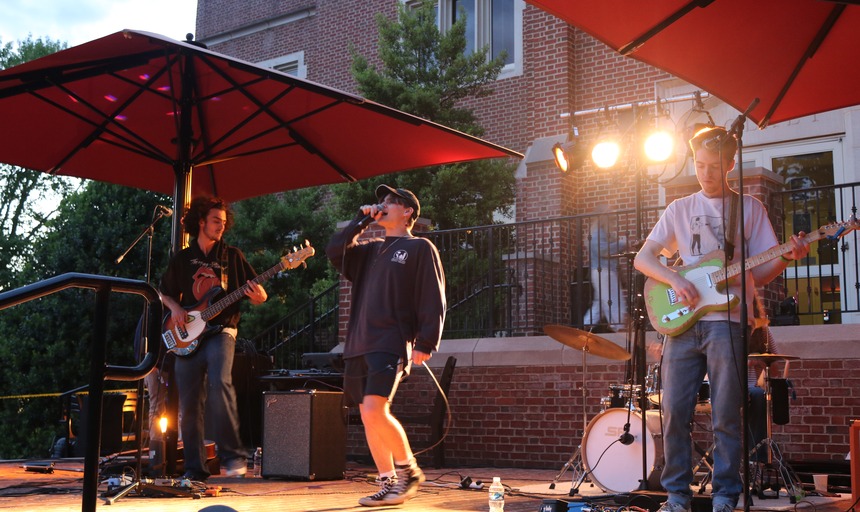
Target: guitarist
point(192, 272)
point(694, 226)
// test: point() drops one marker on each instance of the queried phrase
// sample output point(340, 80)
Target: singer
point(694, 227)
point(396, 318)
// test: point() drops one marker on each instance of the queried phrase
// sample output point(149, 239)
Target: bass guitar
point(670, 316)
point(184, 342)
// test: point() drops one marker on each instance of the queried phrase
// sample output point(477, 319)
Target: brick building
point(515, 401)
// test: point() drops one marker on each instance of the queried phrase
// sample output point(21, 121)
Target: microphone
point(167, 212)
point(363, 223)
point(626, 438)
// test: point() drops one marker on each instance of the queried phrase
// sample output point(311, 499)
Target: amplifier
point(304, 435)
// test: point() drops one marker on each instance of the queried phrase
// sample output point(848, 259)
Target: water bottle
point(497, 495)
point(258, 462)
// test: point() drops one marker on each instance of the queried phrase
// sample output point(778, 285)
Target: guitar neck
point(753, 261)
point(228, 300)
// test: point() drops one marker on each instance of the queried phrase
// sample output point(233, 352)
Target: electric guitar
point(670, 316)
point(184, 342)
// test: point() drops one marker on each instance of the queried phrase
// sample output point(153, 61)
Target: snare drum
point(613, 466)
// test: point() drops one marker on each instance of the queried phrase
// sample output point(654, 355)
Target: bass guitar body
point(184, 342)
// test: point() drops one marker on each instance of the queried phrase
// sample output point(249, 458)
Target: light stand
point(639, 120)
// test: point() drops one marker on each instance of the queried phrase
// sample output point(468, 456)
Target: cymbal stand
point(578, 470)
point(775, 463)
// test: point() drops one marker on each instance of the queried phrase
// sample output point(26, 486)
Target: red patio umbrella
point(796, 56)
point(142, 110)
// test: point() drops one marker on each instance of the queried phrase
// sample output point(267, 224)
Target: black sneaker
point(406, 487)
point(375, 499)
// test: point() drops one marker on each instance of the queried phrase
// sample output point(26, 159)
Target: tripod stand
point(774, 467)
point(585, 342)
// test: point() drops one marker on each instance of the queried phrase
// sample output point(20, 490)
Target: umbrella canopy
point(796, 56)
point(142, 110)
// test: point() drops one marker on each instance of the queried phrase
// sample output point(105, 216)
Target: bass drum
point(615, 467)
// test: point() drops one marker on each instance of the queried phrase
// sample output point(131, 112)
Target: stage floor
point(61, 490)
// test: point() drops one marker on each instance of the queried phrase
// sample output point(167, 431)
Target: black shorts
point(378, 374)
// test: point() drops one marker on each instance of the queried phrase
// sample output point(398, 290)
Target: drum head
point(615, 467)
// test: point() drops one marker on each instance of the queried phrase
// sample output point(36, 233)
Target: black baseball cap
point(402, 193)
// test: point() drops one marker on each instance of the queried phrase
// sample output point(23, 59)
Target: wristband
point(783, 258)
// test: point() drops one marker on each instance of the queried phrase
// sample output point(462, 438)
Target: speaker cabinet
point(304, 435)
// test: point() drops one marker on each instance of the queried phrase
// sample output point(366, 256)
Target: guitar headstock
point(837, 230)
point(298, 256)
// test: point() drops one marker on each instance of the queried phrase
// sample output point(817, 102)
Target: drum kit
point(614, 438)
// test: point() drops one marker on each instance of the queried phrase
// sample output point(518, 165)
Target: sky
point(79, 21)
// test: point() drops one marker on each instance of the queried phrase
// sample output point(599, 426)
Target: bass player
point(192, 272)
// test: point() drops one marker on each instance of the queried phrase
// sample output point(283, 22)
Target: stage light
point(563, 155)
point(605, 153)
point(659, 146)
point(162, 423)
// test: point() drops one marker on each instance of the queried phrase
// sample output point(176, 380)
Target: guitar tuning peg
point(305, 264)
point(294, 249)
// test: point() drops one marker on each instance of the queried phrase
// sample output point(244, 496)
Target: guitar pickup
point(169, 340)
point(678, 313)
point(672, 296)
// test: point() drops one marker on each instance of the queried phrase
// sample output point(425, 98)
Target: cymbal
point(768, 358)
point(586, 341)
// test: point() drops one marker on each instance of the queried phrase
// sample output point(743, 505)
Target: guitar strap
point(733, 226)
point(223, 262)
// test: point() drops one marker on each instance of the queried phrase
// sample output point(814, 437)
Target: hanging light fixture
point(565, 154)
point(659, 146)
point(605, 153)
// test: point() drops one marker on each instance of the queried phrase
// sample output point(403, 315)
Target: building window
point(291, 64)
point(494, 23)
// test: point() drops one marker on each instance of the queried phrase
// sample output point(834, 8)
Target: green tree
point(25, 195)
point(269, 227)
point(429, 74)
point(46, 343)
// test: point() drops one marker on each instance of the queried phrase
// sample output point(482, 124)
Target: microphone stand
point(140, 484)
point(737, 129)
point(148, 230)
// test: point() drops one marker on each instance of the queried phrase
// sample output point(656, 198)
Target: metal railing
point(821, 288)
point(100, 370)
point(312, 327)
point(510, 280)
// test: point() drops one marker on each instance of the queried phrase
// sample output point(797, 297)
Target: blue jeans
point(208, 373)
point(714, 348)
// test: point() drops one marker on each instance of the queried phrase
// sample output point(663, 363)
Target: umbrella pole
point(181, 197)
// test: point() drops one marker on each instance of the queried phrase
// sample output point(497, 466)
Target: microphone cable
point(449, 416)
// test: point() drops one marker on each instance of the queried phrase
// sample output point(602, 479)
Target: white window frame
point(295, 58)
point(763, 157)
point(483, 29)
